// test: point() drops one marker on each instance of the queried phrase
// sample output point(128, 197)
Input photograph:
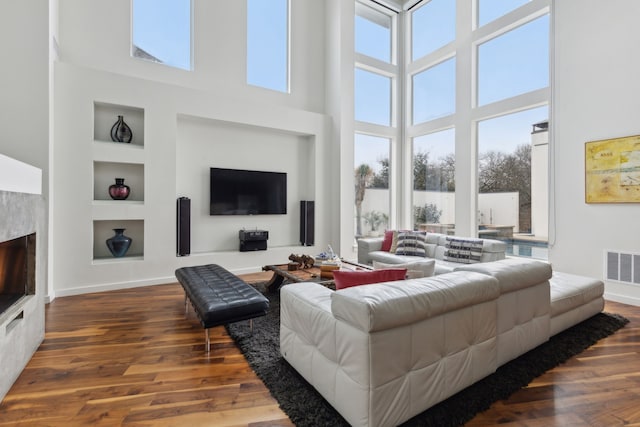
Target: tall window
point(507, 167)
point(434, 184)
point(371, 176)
point(434, 92)
point(515, 62)
point(372, 97)
point(268, 44)
point(373, 33)
point(433, 25)
point(375, 82)
point(162, 32)
point(479, 116)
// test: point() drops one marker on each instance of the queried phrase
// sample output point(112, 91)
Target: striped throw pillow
point(413, 243)
point(466, 251)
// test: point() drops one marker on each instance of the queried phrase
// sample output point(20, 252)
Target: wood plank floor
point(131, 358)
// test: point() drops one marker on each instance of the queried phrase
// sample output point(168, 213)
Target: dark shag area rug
point(306, 407)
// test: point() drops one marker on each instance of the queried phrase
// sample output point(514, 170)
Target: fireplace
point(17, 270)
point(23, 267)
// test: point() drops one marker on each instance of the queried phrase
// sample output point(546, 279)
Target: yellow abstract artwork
point(612, 168)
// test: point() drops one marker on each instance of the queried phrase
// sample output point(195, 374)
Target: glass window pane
point(373, 33)
point(372, 97)
point(268, 44)
point(162, 32)
point(433, 25)
point(513, 155)
point(434, 92)
point(515, 62)
point(371, 158)
point(488, 10)
point(434, 181)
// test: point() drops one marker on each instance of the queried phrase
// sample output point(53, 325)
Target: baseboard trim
point(104, 287)
point(624, 299)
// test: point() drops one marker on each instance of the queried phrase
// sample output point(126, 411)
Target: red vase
point(119, 191)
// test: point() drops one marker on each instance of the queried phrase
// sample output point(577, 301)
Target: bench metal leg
point(251, 325)
point(207, 340)
point(186, 305)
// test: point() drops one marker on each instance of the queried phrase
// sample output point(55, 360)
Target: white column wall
point(595, 96)
point(540, 184)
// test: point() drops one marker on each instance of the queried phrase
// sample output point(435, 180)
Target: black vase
point(120, 131)
point(119, 191)
point(119, 244)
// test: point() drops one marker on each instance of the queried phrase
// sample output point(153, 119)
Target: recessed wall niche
point(103, 230)
point(105, 173)
point(106, 115)
point(206, 143)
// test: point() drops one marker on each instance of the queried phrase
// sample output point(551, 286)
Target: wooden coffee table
point(282, 275)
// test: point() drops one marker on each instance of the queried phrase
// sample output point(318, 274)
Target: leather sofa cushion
point(415, 269)
point(513, 273)
point(392, 258)
point(388, 305)
point(569, 291)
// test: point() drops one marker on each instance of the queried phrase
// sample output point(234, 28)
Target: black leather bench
point(219, 297)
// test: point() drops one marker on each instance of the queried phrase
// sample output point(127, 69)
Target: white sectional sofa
point(382, 353)
point(370, 249)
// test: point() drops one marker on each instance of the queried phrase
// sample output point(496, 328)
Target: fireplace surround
point(22, 223)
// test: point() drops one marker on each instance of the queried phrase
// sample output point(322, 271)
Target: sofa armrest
point(307, 327)
point(367, 245)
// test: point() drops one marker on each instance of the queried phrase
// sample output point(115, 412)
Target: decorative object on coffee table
point(303, 261)
point(120, 131)
point(119, 244)
point(327, 268)
point(119, 191)
point(282, 274)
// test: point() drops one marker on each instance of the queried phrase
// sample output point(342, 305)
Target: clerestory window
point(162, 32)
point(268, 44)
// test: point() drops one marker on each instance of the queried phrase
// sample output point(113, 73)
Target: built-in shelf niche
point(106, 115)
point(105, 174)
point(103, 230)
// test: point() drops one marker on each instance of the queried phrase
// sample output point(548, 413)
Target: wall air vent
point(623, 267)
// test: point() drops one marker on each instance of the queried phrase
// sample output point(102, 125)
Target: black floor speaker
point(183, 236)
point(307, 222)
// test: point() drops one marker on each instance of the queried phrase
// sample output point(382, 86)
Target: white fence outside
point(493, 208)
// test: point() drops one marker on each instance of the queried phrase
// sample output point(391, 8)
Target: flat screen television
point(247, 192)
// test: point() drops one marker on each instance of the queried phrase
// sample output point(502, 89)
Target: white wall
point(202, 144)
point(595, 96)
point(96, 34)
point(24, 38)
point(191, 122)
point(25, 89)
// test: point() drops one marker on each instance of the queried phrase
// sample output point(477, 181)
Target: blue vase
point(119, 244)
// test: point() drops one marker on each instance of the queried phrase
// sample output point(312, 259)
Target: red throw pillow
point(346, 279)
point(388, 239)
